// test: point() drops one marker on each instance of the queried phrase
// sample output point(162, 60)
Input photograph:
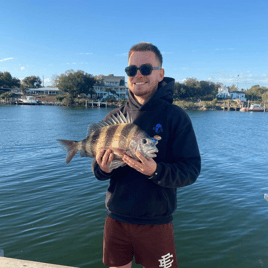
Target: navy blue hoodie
point(136, 198)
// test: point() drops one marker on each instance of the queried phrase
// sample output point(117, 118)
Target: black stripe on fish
point(110, 133)
point(84, 152)
point(93, 140)
point(127, 130)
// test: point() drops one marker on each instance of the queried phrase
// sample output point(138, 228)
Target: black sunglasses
point(145, 69)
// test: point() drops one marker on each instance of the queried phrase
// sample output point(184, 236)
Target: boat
point(244, 109)
point(243, 106)
point(29, 100)
point(256, 108)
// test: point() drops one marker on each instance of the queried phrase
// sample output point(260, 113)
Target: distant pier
point(96, 104)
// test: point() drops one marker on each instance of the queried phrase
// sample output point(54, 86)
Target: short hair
point(144, 46)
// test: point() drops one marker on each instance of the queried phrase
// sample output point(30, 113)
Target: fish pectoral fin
point(116, 164)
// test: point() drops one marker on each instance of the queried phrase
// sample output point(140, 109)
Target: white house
point(111, 82)
point(238, 95)
point(223, 93)
point(44, 91)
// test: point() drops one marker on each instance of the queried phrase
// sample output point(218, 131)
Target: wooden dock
point(96, 103)
point(15, 263)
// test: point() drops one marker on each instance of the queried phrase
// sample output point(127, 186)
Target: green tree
point(194, 89)
point(179, 90)
point(265, 97)
point(256, 92)
point(98, 77)
point(191, 82)
point(91, 92)
point(7, 96)
point(75, 83)
point(55, 80)
point(7, 81)
point(233, 88)
point(31, 82)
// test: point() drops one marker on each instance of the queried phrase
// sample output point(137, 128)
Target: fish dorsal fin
point(116, 119)
point(96, 126)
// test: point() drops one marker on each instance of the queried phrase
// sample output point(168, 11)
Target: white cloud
point(6, 59)
point(47, 82)
point(181, 80)
point(22, 68)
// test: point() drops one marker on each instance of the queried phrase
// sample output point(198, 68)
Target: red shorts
point(152, 245)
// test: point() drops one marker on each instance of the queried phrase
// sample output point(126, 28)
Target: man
point(141, 197)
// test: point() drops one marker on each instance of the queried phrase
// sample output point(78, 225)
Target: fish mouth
point(151, 153)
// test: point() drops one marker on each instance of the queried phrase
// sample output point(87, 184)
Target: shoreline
point(214, 105)
point(110, 105)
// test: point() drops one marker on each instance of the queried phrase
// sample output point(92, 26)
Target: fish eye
point(144, 141)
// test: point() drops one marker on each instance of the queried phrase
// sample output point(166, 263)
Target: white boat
point(29, 100)
point(255, 108)
point(243, 109)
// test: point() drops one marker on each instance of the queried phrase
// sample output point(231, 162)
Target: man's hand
point(144, 166)
point(104, 159)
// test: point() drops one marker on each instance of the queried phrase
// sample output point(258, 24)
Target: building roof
point(113, 78)
point(238, 92)
point(44, 89)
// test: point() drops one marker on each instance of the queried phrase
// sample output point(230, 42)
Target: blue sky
point(221, 41)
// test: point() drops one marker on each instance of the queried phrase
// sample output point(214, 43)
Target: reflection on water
point(54, 212)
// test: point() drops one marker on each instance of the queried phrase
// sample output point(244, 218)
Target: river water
point(53, 212)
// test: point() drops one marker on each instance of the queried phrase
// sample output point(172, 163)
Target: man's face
point(140, 85)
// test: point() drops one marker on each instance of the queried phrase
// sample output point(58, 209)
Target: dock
point(15, 263)
point(96, 103)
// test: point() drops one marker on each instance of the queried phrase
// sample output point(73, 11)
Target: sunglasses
point(145, 69)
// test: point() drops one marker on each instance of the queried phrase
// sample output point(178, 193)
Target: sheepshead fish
point(117, 133)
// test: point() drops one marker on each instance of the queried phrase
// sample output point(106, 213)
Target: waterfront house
point(43, 91)
point(238, 95)
point(223, 93)
point(111, 85)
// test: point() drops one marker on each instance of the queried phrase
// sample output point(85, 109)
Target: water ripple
point(54, 212)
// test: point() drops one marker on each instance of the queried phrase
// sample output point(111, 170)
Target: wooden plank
point(15, 263)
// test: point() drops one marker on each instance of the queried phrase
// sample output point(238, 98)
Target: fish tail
point(71, 147)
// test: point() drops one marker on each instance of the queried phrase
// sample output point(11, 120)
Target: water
point(53, 212)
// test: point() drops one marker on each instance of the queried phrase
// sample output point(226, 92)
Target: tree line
point(79, 82)
point(192, 89)
point(7, 81)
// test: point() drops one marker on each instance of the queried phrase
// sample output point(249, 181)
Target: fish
point(117, 133)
